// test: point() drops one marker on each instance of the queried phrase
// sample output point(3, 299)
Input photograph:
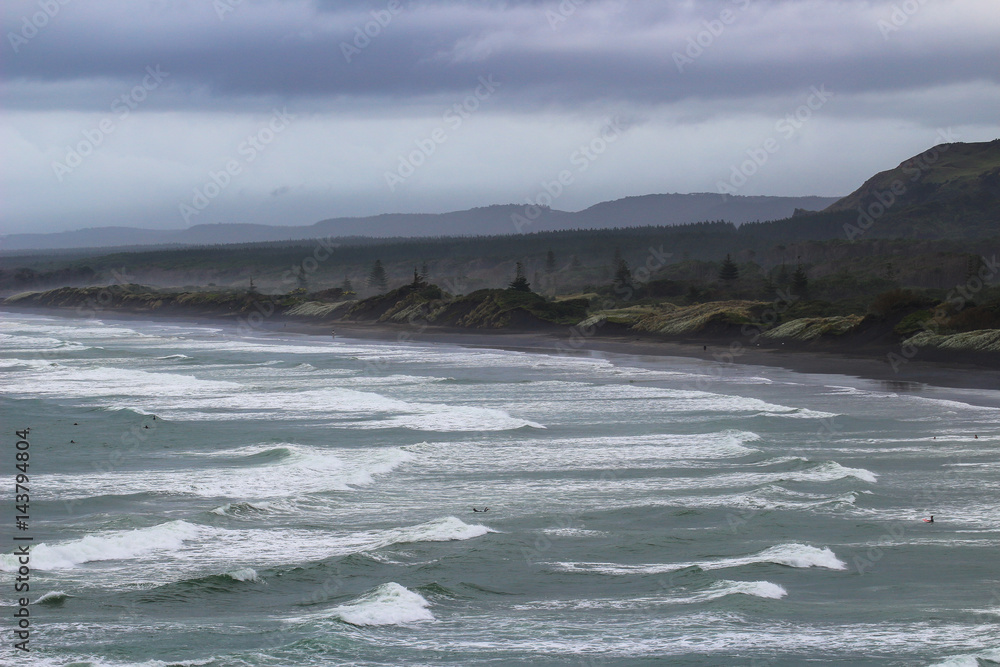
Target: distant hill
point(948, 191)
point(663, 209)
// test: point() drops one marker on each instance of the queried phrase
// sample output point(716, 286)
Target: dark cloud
point(552, 53)
point(700, 82)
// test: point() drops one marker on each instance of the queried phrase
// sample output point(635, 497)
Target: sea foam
point(791, 555)
point(115, 545)
point(389, 604)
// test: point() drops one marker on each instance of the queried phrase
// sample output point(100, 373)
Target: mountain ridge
point(636, 211)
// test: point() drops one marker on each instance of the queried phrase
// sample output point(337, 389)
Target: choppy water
point(301, 501)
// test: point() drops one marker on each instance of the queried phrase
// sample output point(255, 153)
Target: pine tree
point(253, 288)
point(347, 286)
point(520, 283)
point(800, 281)
point(550, 262)
point(623, 274)
point(729, 271)
point(418, 280)
point(378, 278)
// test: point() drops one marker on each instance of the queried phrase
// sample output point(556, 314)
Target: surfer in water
point(487, 509)
point(930, 520)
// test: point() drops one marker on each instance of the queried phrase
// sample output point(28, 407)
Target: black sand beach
point(960, 370)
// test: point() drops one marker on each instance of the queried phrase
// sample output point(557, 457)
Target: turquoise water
point(302, 501)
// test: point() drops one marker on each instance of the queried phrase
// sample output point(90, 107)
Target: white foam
point(969, 659)
point(244, 574)
point(792, 555)
point(63, 381)
point(295, 470)
point(760, 589)
point(389, 604)
point(52, 596)
point(116, 545)
point(574, 532)
point(439, 530)
point(807, 471)
point(594, 453)
point(457, 418)
point(719, 589)
point(241, 509)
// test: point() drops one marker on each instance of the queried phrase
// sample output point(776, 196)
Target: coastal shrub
point(898, 300)
point(913, 322)
point(976, 318)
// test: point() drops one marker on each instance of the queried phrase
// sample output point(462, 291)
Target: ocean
point(198, 497)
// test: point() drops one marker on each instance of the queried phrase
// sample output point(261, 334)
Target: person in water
point(482, 510)
point(930, 520)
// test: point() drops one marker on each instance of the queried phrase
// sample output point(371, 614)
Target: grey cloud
point(295, 50)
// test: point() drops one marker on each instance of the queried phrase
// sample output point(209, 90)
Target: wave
point(253, 472)
point(802, 470)
point(170, 357)
point(988, 657)
point(190, 590)
point(596, 453)
point(445, 529)
point(444, 418)
point(241, 509)
point(243, 574)
point(805, 470)
point(760, 589)
point(799, 413)
point(189, 398)
point(716, 591)
point(116, 545)
point(155, 388)
point(53, 598)
point(790, 555)
point(389, 604)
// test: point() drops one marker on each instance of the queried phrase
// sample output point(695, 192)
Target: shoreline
point(951, 375)
point(962, 372)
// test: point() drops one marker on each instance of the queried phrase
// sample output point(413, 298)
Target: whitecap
point(244, 574)
point(388, 604)
point(115, 545)
point(791, 555)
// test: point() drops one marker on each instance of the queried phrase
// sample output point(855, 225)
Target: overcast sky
point(170, 113)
